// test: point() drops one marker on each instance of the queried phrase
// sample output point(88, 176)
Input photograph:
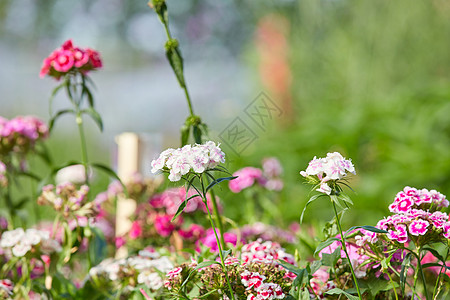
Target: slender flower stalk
point(219, 243)
point(192, 163)
point(326, 174)
point(193, 122)
point(344, 247)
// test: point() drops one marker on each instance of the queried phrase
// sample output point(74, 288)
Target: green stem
point(218, 217)
point(183, 86)
point(393, 285)
point(84, 155)
point(344, 247)
point(217, 238)
point(439, 276)
point(188, 99)
point(419, 264)
point(416, 272)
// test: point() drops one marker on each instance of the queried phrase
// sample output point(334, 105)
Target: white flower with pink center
point(404, 205)
point(179, 162)
point(333, 167)
point(418, 227)
point(315, 167)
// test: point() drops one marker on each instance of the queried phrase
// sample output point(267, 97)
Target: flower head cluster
point(267, 177)
point(181, 161)
point(416, 216)
point(144, 268)
point(70, 58)
point(254, 282)
point(331, 168)
point(67, 199)
point(266, 252)
point(250, 280)
point(20, 134)
point(19, 242)
point(6, 288)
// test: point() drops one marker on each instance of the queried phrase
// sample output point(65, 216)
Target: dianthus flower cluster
point(67, 199)
point(266, 252)
point(6, 288)
point(267, 177)
point(334, 167)
point(181, 161)
point(416, 216)
point(258, 279)
point(19, 242)
point(69, 58)
point(259, 289)
point(144, 268)
point(21, 134)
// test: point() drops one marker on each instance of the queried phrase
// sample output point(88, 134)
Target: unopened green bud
point(171, 44)
point(157, 4)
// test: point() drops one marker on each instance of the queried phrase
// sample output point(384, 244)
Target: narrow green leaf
point(315, 265)
point(313, 198)
point(206, 264)
point(225, 253)
point(106, 170)
point(57, 115)
point(346, 198)
point(88, 93)
point(197, 132)
point(21, 203)
point(176, 62)
point(405, 265)
point(435, 253)
point(182, 206)
point(289, 267)
point(95, 116)
point(30, 175)
point(365, 227)
point(338, 291)
point(52, 96)
point(301, 279)
point(219, 180)
point(325, 244)
point(429, 265)
point(110, 172)
point(331, 260)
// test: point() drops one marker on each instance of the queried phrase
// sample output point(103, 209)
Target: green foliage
point(369, 79)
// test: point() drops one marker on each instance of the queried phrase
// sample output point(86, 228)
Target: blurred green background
point(367, 78)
